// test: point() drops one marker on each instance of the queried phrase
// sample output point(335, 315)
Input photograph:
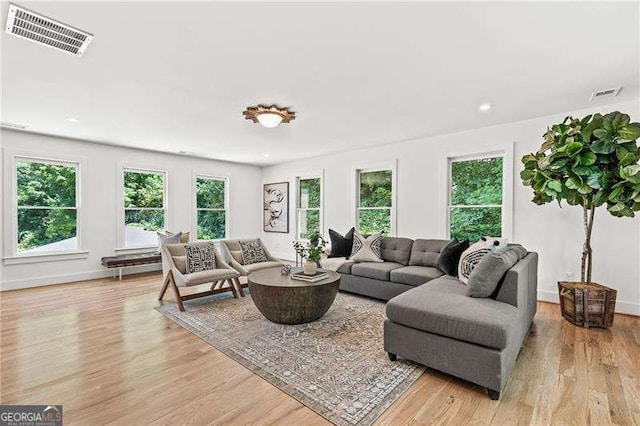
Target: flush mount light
point(269, 116)
point(72, 119)
point(485, 107)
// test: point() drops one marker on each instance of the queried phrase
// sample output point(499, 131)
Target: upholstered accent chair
point(233, 253)
point(174, 265)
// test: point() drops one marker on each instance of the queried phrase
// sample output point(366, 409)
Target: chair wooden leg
point(233, 288)
point(214, 285)
point(236, 281)
point(176, 292)
point(165, 286)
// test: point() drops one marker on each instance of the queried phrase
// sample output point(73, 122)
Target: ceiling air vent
point(31, 26)
point(607, 93)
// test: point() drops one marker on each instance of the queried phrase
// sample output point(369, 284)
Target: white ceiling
point(177, 76)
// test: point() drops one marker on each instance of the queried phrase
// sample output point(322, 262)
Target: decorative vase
point(309, 267)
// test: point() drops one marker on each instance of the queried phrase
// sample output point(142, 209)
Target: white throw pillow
point(471, 256)
point(366, 249)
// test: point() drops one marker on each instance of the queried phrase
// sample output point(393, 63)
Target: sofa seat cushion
point(414, 275)
point(262, 265)
point(442, 307)
point(375, 270)
point(345, 268)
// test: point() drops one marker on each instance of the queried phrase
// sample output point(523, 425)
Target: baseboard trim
point(70, 278)
point(622, 307)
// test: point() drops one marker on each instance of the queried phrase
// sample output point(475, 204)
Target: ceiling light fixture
point(269, 116)
point(72, 119)
point(485, 107)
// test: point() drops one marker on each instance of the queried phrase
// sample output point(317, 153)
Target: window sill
point(45, 257)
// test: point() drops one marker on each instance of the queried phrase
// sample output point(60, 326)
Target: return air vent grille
point(42, 30)
point(607, 93)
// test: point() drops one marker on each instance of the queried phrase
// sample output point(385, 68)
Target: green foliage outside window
point(476, 199)
point(374, 212)
point(211, 208)
point(309, 207)
point(46, 203)
point(144, 200)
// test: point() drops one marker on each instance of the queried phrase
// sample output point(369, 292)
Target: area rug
point(336, 365)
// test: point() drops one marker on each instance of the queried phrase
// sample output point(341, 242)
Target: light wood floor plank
point(100, 349)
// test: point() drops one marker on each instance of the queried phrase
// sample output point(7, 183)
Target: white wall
point(556, 234)
point(99, 205)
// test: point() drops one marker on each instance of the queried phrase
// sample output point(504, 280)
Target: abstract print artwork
point(276, 207)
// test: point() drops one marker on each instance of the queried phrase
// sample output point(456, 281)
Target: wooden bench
point(128, 260)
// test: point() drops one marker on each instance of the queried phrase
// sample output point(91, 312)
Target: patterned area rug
point(336, 365)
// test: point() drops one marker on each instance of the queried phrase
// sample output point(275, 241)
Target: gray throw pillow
point(488, 272)
point(252, 252)
point(168, 238)
point(200, 257)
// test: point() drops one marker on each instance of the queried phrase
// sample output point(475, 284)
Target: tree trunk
point(587, 253)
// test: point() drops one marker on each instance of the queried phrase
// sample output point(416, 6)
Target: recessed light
point(485, 107)
point(72, 119)
point(266, 155)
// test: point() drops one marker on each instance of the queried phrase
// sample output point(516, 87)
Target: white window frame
point(299, 210)
point(194, 217)
point(123, 168)
point(392, 166)
point(11, 159)
point(504, 151)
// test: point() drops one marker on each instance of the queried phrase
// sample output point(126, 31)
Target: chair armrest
point(238, 267)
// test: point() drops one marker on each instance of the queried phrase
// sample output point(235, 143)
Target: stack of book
point(318, 276)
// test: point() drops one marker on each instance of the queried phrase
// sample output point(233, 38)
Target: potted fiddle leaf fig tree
point(590, 163)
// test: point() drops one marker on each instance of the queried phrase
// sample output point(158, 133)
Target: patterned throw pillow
point(366, 249)
point(200, 257)
point(252, 252)
point(474, 254)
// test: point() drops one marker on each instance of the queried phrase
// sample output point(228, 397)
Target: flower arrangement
point(313, 249)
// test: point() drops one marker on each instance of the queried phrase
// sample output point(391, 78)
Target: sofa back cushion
point(396, 250)
point(426, 252)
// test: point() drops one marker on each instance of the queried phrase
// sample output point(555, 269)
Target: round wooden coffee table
point(284, 300)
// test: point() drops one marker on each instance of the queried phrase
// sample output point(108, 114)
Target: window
point(375, 201)
point(476, 198)
point(309, 205)
point(47, 206)
point(144, 207)
point(211, 208)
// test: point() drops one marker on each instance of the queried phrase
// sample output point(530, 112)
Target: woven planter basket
point(587, 305)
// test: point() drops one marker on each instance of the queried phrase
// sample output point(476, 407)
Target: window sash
point(196, 209)
point(359, 200)
point(146, 172)
point(308, 209)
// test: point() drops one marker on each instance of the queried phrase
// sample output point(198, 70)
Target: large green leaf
point(603, 147)
point(555, 185)
point(587, 158)
point(603, 135)
point(630, 132)
point(573, 148)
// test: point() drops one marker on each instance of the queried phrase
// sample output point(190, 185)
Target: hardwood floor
point(100, 349)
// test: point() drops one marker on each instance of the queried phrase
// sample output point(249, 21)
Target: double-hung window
point(144, 207)
point(309, 207)
point(211, 208)
point(374, 209)
point(475, 207)
point(48, 206)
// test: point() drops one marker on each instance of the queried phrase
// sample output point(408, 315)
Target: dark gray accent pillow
point(450, 256)
point(253, 252)
point(396, 249)
point(200, 257)
point(341, 246)
point(486, 276)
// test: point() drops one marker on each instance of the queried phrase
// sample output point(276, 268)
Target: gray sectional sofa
point(431, 320)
